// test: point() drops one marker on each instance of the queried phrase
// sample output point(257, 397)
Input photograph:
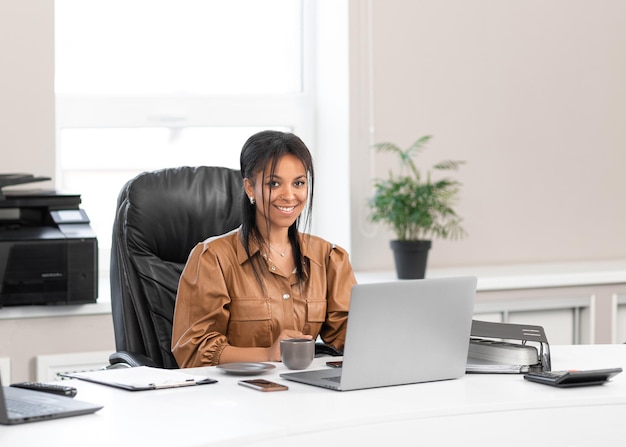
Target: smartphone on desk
point(263, 385)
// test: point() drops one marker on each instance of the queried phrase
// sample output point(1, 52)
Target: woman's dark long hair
point(261, 152)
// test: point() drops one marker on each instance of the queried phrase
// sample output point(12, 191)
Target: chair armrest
point(130, 359)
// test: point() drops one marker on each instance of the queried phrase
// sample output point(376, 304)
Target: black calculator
point(572, 378)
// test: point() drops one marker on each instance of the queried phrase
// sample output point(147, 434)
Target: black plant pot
point(411, 258)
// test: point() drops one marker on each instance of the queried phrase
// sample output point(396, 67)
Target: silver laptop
point(402, 332)
point(18, 405)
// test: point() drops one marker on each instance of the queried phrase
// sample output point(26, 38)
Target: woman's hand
point(274, 350)
point(233, 354)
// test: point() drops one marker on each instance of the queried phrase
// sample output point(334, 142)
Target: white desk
point(475, 410)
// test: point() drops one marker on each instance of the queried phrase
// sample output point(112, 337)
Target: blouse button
point(273, 268)
point(286, 296)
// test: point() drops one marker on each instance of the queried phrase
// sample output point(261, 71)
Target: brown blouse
point(220, 301)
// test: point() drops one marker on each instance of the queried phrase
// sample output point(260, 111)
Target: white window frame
point(295, 111)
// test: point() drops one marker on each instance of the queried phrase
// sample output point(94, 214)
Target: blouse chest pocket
point(250, 323)
point(316, 311)
point(252, 309)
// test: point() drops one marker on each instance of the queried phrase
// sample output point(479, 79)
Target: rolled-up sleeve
point(201, 313)
point(340, 279)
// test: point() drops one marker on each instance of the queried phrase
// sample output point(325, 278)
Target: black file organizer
point(521, 332)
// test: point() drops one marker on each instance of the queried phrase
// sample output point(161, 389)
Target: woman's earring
point(252, 201)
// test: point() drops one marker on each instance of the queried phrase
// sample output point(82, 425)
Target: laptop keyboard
point(20, 408)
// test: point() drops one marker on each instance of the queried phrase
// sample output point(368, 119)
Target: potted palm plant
point(416, 208)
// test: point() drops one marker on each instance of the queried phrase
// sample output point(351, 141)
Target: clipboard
point(141, 378)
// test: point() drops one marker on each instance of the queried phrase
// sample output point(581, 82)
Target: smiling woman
point(236, 300)
point(279, 188)
point(281, 196)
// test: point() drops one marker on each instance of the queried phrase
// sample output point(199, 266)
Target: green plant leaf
point(413, 208)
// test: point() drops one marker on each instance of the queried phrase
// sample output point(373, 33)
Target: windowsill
point(524, 276)
point(101, 307)
point(501, 277)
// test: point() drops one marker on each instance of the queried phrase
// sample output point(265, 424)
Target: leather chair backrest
point(161, 216)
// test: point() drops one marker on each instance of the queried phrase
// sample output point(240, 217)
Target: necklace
point(281, 253)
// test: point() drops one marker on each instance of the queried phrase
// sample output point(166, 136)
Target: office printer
point(48, 251)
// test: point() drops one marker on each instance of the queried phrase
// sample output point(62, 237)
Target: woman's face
point(285, 192)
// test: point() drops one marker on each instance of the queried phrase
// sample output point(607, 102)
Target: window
point(148, 84)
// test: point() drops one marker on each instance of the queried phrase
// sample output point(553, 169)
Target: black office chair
point(161, 216)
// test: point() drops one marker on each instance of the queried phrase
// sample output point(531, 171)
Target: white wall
point(531, 94)
point(27, 88)
point(331, 218)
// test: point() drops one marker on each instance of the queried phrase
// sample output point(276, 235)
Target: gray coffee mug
point(297, 353)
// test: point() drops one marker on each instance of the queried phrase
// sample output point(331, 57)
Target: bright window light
point(149, 84)
point(146, 47)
